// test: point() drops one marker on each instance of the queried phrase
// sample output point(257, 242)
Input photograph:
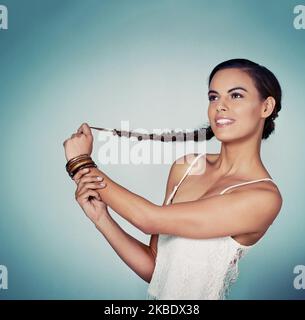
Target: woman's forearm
point(135, 254)
point(132, 207)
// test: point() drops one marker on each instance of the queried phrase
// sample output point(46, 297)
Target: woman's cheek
point(211, 113)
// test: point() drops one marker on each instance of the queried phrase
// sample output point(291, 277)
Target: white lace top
point(197, 269)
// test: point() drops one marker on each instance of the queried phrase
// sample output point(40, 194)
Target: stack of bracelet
point(78, 163)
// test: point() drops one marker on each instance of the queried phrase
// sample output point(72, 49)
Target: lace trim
point(231, 275)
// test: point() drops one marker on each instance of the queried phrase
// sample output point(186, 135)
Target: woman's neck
point(239, 159)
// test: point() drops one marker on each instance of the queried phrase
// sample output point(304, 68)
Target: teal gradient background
point(66, 62)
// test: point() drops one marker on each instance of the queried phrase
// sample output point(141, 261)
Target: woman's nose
point(220, 108)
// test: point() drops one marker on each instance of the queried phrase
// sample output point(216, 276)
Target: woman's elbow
point(150, 220)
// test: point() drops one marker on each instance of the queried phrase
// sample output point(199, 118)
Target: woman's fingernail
point(99, 178)
point(86, 170)
point(102, 184)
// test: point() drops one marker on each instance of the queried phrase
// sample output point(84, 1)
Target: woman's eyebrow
point(236, 88)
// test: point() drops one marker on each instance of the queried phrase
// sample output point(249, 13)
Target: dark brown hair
point(265, 82)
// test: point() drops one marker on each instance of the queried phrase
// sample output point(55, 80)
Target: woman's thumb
point(85, 129)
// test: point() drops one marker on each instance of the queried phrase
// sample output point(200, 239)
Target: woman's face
point(235, 107)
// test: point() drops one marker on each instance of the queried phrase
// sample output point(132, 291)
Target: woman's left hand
point(79, 143)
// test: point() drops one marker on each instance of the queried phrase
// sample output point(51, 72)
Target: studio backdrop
point(145, 65)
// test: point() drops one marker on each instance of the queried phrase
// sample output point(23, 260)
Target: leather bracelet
point(78, 163)
point(74, 160)
point(89, 165)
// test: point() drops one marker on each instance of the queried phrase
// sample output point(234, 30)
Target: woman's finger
point(85, 129)
point(76, 134)
point(80, 174)
point(89, 178)
point(90, 185)
point(80, 129)
point(86, 179)
point(64, 143)
point(81, 198)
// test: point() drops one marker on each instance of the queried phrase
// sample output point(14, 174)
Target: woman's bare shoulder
point(179, 166)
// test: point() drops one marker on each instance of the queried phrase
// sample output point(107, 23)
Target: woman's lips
point(221, 123)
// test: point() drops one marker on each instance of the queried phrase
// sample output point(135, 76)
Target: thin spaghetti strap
point(189, 169)
point(241, 184)
point(185, 174)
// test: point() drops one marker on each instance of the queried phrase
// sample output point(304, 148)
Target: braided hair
point(265, 82)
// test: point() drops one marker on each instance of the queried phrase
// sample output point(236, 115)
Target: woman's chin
point(225, 136)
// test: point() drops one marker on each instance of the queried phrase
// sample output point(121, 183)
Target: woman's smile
point(222, 122)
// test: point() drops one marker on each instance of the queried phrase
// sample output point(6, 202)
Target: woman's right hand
point(87, 196)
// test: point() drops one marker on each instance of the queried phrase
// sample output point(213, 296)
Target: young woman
point(213, 212)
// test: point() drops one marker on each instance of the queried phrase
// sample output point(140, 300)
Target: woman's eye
point(212, 98)
point(236, 95)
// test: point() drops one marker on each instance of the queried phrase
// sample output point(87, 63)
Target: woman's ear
point(268, 107)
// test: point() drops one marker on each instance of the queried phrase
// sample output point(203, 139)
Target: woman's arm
point(242, 211)
point(135, 254)
point(245, 211)
point(129, 205)
point(138, 256)
point(134, 208)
